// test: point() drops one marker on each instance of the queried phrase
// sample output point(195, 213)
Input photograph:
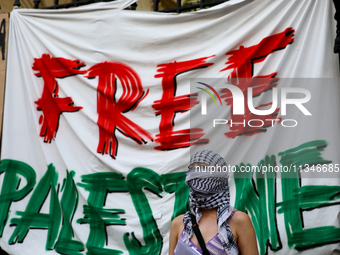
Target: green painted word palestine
point(255, 194)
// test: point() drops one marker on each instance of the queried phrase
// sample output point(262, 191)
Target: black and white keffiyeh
point(210, 192)
point(208, 157)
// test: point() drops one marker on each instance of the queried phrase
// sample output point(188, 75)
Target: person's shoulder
point(241, 219)
point(177, 225)
point(178, 220)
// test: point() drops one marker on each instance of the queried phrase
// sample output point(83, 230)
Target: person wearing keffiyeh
point(210, 204)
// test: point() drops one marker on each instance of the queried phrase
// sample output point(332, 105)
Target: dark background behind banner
point(3, 53)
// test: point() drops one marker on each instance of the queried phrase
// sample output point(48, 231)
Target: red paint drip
point(50, 68)
point(110, 111)
point(170, 104)
point(242, 61)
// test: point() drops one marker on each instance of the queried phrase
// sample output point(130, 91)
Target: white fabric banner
point(99, 124)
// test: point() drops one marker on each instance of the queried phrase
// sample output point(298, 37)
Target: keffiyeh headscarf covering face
point(210, 190)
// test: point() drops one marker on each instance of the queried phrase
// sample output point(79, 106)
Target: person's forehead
point(197, 164)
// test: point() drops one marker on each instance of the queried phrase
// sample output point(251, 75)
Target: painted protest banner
point(102, 112)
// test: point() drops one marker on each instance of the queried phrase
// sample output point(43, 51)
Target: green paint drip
point(95, 214)
point(259, 202)
point(138, 179)
point(31, 218)
point(9, 191)
point(307, 153)
point(296, 198)
point(69, 202)
point(175, 182)
point(101, 251)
